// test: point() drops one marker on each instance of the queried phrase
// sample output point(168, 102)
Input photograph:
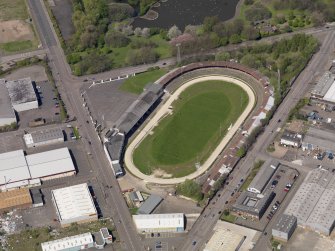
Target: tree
point(223, 56)
point(145, 32)
point(137, 31)
point(174, 32)
point(209, 23)
point(235, 39)
point(241, 152)
point(257, 12)
point(250, 33)
point(116, 39)
point(191, 189)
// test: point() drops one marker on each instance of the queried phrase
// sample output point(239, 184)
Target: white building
point(44, 137)
point(13, 168)
point(72, 243)
point(22, 94)
point(51, 164)
point(159, 222)
point(74, 204)
point(7, 114)
point(18, 170)
point(291, 139)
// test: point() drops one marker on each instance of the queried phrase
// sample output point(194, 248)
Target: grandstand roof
point(139, 107)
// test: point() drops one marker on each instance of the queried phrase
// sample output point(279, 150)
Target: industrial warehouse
point(324, 89)
point(151, 223)
point(313, 204)
point(44, 137)
point(74, 204)
point(7, 114)
point(22, 94)
point(20, 170)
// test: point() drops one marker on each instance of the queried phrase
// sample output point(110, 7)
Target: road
point(69, 87)
point(202, 230)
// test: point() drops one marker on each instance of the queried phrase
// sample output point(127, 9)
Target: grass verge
point(226, 216)
point(17, 46)
point(138, 82)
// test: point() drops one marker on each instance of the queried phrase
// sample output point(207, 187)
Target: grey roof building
point(323, 85)
point(139, 108)
point(7, 114)
point(319, 139)
point(314, 202)
point(263, 176)
point(284, 227)
point(115, 164)
point(37, 197)
point(289, 138)
point(22, 94)
point(150, 204)
point(116, 146)
point(44, 137)
point(252, 204)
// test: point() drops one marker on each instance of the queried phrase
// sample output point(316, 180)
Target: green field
point(17, 46)
point(137, 83)
point(201, 117)
point(13, 9)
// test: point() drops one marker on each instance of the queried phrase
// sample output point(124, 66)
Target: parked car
point(274, 183)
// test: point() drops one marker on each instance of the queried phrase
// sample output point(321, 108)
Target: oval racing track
point(164, 109)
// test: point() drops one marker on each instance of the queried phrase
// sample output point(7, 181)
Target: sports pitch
point(200, 119)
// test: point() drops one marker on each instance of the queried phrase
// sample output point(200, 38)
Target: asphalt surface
point(69, 86)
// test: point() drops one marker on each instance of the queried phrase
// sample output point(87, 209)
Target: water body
point(185, 12)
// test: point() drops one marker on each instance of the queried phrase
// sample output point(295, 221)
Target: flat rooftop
point(50, 163)
point(74, 202)
point(322, 138)
point(45, 135)
point(323, 84)
point(313, 203)
point(285, 223)
point(13, 167)
point(231, 237)
point(150, 204)
point(6, 108)
point(21, 91)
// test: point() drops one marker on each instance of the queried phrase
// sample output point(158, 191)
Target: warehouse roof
point(330, 94)
point(21, 91)
point(13, 167)
point(74, 202)
point(285, 223)
point(139, 107)
point(150, 204)
point(323, 84)
point(224, 239)
point(50, 163)
point(15, 198)
point(263, 176)
point(68, 242)
point(43, 135)
point(6, 108)
point(313, 204)
point(150, 221)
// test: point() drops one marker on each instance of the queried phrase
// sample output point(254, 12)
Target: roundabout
point(167, 149)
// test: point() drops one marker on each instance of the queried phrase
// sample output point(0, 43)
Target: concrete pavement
point(164, 110)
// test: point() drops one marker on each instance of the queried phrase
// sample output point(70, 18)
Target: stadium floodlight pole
point(178, 53)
